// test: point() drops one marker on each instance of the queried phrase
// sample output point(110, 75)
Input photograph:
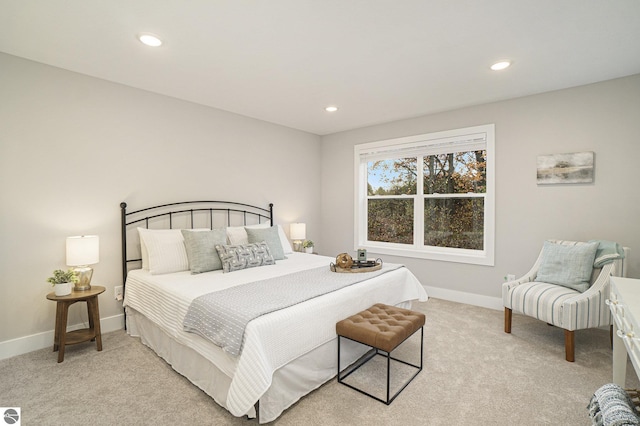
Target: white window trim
point(407, 146)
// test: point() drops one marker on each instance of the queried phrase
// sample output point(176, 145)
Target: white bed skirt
point(290, 382)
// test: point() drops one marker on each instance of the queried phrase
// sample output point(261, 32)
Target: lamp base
point(84, 278)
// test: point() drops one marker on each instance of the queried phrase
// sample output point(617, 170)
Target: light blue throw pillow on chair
point(567, 265)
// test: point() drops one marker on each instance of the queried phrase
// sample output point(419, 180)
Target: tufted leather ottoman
point(383, 328)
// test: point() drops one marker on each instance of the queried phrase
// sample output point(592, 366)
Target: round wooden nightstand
point(62, 337)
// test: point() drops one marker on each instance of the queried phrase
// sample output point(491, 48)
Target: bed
point(286, 353)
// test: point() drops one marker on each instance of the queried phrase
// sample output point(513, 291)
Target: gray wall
point(73, 147)
point(603, 117)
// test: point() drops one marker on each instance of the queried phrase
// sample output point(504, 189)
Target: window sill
point(445, 255)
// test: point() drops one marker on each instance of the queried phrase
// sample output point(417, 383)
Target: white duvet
point(271, 340)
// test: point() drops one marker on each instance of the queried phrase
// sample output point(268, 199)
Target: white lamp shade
point(83, 250)
point(298, 231)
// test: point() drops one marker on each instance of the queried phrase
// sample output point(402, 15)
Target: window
point(428, 196)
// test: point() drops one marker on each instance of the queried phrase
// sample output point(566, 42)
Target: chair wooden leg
point(570, 345)
point(507, 320)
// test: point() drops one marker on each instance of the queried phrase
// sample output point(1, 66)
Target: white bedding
point(273, 340)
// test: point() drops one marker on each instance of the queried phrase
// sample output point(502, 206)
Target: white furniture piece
point(561, 306)
point(624, 303)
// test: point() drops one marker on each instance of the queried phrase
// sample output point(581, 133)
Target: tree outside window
point(435, 200)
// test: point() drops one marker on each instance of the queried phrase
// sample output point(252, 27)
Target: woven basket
point(634, 394)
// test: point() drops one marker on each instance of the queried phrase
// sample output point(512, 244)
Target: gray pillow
point(242, 256)
point(269, 236)
point(201, 249)
point(567, 265)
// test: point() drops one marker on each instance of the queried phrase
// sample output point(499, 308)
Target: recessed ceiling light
point(501, 65)
point(150, 39)
point(331, 109)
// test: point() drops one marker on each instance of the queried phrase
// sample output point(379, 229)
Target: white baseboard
point(25, 344)
point(466, 298)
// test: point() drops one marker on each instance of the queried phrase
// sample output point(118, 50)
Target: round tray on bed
point(355, 268)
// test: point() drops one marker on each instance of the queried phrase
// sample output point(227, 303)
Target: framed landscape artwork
point(577, 167)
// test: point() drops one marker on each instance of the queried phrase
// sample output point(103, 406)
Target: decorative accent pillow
point(163, 251)
point(567, 265)
point(269, 236)
point(201, 249)
point(243, 256)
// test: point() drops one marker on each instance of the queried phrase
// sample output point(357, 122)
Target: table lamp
point(298, 232)
point(83, 251)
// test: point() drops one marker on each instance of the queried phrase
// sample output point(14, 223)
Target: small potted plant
point(308, 246)
point(63, 281)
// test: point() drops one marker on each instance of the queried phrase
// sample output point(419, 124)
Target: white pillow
point(286, 246)
point(237, 235)
point(163, 251)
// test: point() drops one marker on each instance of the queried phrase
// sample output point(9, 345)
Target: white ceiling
point(283, 61)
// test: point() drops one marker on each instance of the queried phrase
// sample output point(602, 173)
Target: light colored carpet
point(474, 374)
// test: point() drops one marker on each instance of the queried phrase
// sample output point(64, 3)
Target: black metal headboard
point(188, 215)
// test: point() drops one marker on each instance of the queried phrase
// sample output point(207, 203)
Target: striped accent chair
point(561, 306)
